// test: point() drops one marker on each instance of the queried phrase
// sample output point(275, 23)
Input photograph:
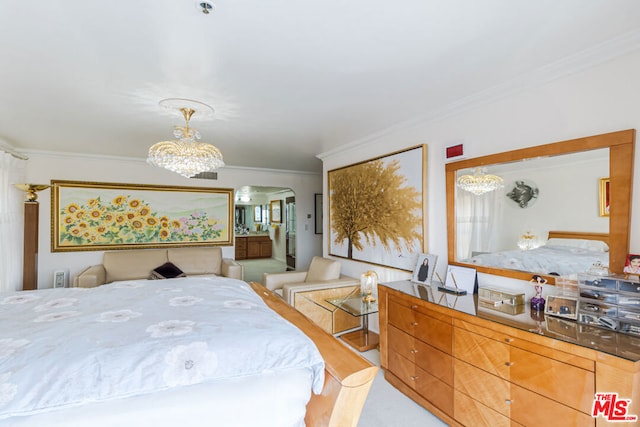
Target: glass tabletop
point(354, 304)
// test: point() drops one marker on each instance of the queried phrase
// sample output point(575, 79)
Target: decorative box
point(562, 306)
point(501, 300)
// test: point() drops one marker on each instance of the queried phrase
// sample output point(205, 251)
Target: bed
point(564, 253)
point(186, 351)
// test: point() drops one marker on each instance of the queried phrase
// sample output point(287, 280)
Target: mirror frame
point(621, 152)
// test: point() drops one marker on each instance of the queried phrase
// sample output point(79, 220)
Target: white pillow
point(591, 245)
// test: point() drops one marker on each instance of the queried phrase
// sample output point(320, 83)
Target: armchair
point(323, 273)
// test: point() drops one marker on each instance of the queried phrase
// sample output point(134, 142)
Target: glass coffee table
point(362, 339)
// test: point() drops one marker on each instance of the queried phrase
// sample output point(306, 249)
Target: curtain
point(477, 222)
point(12, 171)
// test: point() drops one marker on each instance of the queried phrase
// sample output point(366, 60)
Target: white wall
point(43, 167)
point(600, 99)
point(555, 208)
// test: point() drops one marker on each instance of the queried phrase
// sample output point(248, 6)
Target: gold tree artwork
point(372, 200)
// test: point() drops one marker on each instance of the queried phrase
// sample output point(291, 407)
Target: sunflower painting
point(98, 216)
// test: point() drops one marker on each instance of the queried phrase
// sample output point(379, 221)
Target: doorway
point(290, 230)
point(267, 211)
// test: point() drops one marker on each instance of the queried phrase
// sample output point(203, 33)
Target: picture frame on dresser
point(424, 269)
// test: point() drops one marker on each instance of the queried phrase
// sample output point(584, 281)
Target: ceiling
point(288, 79)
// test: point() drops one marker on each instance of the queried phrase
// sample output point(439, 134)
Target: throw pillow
point(166, 271)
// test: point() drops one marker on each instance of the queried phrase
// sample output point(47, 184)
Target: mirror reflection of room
point(508, 226)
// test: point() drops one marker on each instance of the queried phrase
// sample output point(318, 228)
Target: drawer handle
point(413, 307)
point(413, 351)
point(508, 401)
point(414, 377)
point(508, 364)
point(414, 323)
point(508, 340)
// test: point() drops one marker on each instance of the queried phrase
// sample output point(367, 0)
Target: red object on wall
point(454, 151)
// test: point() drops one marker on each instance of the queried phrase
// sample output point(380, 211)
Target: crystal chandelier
point(186, 155)
point(479, 182)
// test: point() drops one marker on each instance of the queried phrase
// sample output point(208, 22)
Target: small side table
point(363, 339)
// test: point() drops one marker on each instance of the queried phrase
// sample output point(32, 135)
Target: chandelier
point(185, 155)
point(479, 182)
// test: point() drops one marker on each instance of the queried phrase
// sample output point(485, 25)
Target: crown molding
point(572, 64)
point(143, 160)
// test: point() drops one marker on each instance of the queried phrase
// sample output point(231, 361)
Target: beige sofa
point(138, 264)
point(323, 273)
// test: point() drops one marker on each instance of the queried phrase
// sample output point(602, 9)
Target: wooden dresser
point(477, 368)
point(253, 246)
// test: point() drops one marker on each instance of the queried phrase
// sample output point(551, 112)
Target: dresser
point(479, 367)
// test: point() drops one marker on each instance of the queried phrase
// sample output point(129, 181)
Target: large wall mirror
point(560, 208)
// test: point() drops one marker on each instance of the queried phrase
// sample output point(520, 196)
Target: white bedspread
point(66, 347)
point(561, 260)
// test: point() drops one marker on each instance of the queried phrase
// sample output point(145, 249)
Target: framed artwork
point(318, 213)
point(276, 211)
point(377, 209)
point(604, 196)
point(89, 216)
point(425, 267)
point(257, 213)
point(632, 264)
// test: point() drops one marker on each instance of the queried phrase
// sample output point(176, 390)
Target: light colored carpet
point(254, 268)
point(387, 407)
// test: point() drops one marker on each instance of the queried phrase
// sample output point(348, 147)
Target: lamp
point(31, 190)
point(368, 285)
point(30, 240)
point(479, 182)
point(186, 155)
point(527, 241)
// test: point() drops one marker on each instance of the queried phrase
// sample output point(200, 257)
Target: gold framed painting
point(275, 207)
point(89, 216)
point(604, 196)
point(377, 209)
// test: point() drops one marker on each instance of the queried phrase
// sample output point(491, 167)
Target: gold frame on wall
point(275, 211)
point(93, 216)
point(604, 196)
point(392, 235)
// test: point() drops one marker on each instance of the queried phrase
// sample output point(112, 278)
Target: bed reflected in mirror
point(544, 215)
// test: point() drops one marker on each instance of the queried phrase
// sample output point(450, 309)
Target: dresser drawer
point(531, 409)
point(485, 353)
point(429, 358)
point(470, 412)
point(483, 387)
point(425, 384)
point(564, 383)
point(430, 330)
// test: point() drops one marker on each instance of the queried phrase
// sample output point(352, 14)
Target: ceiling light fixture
point(206, 7)
point(186, 155)
point(479, 182)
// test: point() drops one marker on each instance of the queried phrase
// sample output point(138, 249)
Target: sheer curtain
point(477, 222)
point(11, 222)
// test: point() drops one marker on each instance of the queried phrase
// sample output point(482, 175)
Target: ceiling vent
point(206, 175)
